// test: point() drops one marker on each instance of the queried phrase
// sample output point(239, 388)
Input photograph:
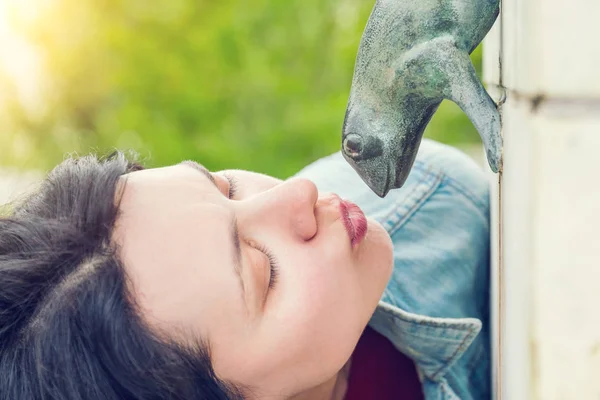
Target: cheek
point(336, 277)
point(308, 338)
point(316, 315)
point(320, 306)
point(326, 277)
point(332, 283)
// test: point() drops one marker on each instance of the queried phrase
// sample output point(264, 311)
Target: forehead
point(155, 203)
point(174, 241)
point(176, 177)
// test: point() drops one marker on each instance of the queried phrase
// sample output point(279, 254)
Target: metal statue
point(412, 55)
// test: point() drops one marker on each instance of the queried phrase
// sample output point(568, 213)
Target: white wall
point(547, 203)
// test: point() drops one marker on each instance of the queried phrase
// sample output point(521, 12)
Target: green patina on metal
point(412, 55)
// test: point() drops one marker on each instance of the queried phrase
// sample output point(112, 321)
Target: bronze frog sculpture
point(412, 55)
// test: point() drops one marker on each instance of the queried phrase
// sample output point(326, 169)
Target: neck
point(332, 389)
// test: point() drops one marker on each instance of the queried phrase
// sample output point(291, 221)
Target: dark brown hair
point(69, 329)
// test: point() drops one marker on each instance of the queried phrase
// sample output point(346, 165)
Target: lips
point(354, 221)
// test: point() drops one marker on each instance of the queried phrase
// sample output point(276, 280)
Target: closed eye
point(233, 186)
point(273, 265)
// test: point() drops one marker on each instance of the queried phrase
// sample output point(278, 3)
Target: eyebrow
point(201, 168)
point(233, 229)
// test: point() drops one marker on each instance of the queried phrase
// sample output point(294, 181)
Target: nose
point(289, 207)
point(358, 147)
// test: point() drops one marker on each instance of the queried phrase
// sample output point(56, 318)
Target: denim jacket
point(435, 308)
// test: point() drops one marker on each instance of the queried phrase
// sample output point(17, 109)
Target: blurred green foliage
point(252, 84)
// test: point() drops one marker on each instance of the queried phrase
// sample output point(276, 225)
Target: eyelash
point(232, 186)
point(274, 266)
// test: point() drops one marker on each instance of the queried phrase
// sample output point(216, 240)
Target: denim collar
point(434, 344)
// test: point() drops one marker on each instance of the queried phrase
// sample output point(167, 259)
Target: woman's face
point(266, 275)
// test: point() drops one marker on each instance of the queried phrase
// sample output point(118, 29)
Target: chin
point(377, 237)
point(377, 255)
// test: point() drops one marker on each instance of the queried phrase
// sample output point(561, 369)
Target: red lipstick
point(354, 221)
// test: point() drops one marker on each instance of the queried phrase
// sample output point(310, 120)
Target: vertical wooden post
point(545, 56)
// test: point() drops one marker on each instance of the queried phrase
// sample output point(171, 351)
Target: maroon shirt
point(379, 371)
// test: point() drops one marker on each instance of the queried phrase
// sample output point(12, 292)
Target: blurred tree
point(253, 84)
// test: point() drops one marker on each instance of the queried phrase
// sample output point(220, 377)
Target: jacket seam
point(418, 203)
point(467, 193)
point(458, 186)
point(434, 376)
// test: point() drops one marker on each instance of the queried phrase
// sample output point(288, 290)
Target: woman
point(178, 283)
